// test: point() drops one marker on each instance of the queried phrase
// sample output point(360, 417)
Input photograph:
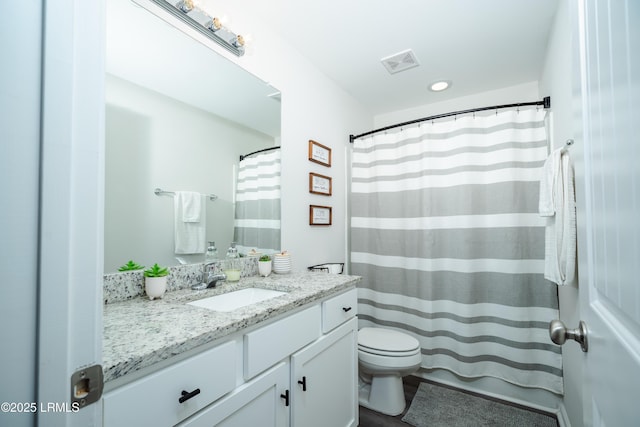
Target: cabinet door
point(256, 403)
point(324, 380)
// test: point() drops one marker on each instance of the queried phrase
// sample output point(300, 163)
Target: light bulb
point(238, 41)
point(439, 85)
point(185, 5)
point(214, 25)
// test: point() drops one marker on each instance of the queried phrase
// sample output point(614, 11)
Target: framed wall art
point(319, 215)
point(320, 184)
point(319, 153)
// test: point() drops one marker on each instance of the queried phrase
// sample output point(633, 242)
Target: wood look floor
point(369, 418)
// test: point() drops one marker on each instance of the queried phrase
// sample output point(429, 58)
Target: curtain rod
point(243, 156)
point(546, 103)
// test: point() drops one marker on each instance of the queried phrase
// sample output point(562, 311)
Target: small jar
point(232, 265)
point(212, 252)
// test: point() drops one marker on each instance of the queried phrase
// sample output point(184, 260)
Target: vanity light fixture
point(439, 86)
point(212, 27)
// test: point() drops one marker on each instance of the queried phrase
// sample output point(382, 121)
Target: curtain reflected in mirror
point(257, 210)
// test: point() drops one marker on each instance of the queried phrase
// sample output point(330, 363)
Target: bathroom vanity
point(286, 361)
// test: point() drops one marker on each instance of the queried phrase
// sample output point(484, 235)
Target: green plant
point(156, 271)
point(265, 258)
point(130, 266)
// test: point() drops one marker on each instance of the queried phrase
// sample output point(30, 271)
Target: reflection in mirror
point(178, 117)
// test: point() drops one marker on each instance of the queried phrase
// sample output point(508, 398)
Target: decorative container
point(155, 287)
point(264, 268)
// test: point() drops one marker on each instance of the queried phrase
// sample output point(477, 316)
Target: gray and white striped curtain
point(446, 235)
point(257, 210)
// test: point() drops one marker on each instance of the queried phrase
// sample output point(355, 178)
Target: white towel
point(560, 230)
point(189, 202)
point(550, 172)
point(189, 236)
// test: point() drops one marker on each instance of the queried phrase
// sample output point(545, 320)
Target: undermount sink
point(236, 299)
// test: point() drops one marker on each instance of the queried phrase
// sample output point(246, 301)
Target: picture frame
point(319, 215)
point(320, 184)
point(319, 153)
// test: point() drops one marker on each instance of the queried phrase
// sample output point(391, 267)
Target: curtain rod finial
point(547, 102)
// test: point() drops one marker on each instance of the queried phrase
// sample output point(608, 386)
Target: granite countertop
point(139, 332)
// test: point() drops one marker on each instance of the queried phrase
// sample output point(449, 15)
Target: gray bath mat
point(435, 406)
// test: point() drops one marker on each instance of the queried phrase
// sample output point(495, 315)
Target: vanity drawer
point(154, 399)
point(270, 344)
point(339, 309)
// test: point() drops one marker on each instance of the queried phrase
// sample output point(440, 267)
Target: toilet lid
point(386, 340)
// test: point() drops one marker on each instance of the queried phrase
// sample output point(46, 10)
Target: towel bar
point(161, 192)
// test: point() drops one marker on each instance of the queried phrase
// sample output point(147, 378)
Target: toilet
point(384, 357)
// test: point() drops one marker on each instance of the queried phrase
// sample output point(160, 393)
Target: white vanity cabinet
point(299, 370)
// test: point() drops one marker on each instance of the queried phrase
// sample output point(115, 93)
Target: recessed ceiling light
point(439, 86)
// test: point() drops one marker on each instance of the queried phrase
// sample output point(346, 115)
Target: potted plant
point(264, 265)
point(131, 266)
point(155, 281)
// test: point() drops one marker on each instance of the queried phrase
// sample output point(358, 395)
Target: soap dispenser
point(232, 264)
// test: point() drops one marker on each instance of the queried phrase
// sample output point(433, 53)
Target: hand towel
point(189, 236)
point(550, 172)
point(189, 202)
point(560, 229)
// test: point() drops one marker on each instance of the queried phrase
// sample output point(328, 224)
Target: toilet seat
point(385, 342)
point(388, 353)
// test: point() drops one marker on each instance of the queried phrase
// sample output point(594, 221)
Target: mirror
point(178, 117)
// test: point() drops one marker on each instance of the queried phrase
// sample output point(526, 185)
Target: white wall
point(556, 80)
point(155, 141)
point(313, 107)
point(525, 92)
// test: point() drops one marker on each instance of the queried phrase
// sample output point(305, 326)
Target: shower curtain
point(446, 235)
point(257, 206)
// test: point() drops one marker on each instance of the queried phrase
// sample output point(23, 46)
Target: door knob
point(559, 333)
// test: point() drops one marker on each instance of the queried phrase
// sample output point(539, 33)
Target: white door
point(609, 208)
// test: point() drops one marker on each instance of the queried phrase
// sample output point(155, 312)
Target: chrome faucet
point(209, 278)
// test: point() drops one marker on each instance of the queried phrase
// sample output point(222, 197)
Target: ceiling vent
point(400, 61)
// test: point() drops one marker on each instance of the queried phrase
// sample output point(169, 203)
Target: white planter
point(264, 268)
point(155, 287)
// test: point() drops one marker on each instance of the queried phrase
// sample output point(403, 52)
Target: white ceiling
point(479, 45)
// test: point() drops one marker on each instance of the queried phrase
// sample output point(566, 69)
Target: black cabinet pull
point(346, 309)
point(285, 396)
point(186, 395)
point(303, 383)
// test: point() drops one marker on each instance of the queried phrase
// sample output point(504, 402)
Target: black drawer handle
point(303, 383)
point(285, 396)
point(188, 395)
point(346, 309)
